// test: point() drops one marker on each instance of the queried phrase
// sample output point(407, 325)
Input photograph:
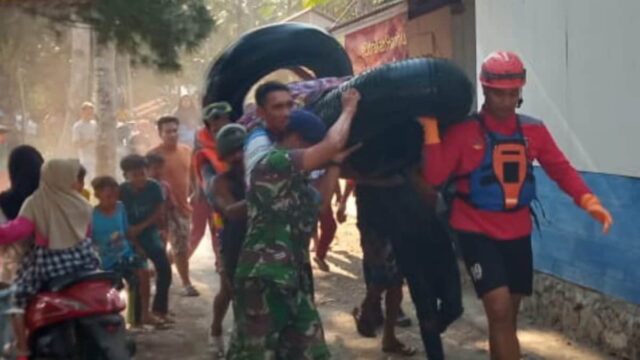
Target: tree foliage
point(233, 18)
point(35, 57)
point(153, 32)
point(345, 10)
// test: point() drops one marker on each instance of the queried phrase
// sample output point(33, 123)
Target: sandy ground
point(337, 293)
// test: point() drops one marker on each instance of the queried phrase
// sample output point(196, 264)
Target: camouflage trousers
point(275, 323)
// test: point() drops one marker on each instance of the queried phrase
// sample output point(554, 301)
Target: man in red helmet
point(490, 157)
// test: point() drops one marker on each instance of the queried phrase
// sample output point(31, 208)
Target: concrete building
point(404, 29)
point(583, 68)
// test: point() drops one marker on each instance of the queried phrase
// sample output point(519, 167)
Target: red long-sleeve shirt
point(461, 151)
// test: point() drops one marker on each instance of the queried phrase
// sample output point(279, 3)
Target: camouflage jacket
point(283, 211)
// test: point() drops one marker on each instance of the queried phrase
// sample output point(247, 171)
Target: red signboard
point(378, 44)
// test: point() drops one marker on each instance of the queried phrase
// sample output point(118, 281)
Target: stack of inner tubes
point(393, 95)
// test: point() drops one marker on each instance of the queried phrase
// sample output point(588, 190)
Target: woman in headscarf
point(58, 218)
point(24, 172)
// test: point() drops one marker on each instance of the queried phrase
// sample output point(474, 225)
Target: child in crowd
point(142, 198)
point(155, 165)
point(110, 225)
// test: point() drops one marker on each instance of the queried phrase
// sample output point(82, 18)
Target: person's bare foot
point(165, 318)
point(216, 346)
point(190, 291)
point(150, 319)
point(363, 324)
point(322, 264)
point(395, 346)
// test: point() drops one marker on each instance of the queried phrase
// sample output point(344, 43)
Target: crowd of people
point(261, 193)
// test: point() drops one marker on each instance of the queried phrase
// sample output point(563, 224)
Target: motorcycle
point(77, 317)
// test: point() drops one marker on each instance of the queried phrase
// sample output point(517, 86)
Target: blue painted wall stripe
point(571, 246)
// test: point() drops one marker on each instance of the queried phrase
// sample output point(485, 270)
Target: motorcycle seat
point(62, 282)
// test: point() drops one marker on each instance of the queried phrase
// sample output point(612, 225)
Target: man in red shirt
point(490, 157)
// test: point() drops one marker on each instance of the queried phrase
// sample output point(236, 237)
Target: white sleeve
point(256, 147)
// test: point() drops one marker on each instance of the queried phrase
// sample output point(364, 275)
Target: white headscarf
point(59, 212)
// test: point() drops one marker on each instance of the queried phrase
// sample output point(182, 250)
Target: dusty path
point(337, 293)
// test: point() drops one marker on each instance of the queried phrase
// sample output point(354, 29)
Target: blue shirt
point(109, 236)
point(141, 205)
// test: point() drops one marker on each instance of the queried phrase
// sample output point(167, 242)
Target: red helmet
point(503, 70)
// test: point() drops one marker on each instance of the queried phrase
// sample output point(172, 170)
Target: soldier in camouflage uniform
point(275, 314)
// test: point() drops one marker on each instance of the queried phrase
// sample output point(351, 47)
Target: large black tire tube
point(393, 96)
point(387, 152)
point(400, 91)
point(270, 48)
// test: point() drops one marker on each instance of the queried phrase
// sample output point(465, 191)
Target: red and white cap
point(503, 70)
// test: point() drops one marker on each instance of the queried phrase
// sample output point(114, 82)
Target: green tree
point(233, 18)
point(28, 53)
point(152, 32)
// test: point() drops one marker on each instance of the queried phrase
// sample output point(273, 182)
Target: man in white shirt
point(84, 136)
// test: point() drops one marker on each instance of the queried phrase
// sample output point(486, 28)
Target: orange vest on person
point(205, 152)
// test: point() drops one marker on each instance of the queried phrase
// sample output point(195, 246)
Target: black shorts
point(231, 240)
point(376, 231)
point(495, 263)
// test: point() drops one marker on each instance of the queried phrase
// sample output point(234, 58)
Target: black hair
point(265, 89)
point(104, 182)
point(82, 173)
point(167, 119)
point(24, 171)
point(133, 162)
point(155, 158)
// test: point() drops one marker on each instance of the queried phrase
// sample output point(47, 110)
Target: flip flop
point(156, 323)
point(400, 349)
point(189, 291)
point(167, 320)
point(163, 326)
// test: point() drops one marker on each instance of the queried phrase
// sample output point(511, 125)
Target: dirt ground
point(336, 295)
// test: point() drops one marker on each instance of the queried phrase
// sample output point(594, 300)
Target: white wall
point(464, 40)
point(583, 63)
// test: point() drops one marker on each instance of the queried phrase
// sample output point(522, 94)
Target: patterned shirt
point(283, 211)
point(256, 146)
